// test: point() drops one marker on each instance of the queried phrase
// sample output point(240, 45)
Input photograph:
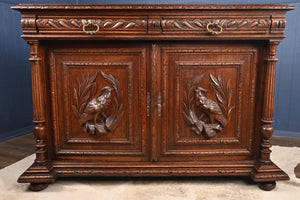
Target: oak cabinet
point(139, 90)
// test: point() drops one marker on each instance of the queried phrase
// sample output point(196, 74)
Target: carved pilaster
point(41, 171)
point(38, 108)
point(265, 170)
point(268, 99)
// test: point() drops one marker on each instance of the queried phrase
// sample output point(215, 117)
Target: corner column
point(265, 171)
point(41, 172)
point(268, 106)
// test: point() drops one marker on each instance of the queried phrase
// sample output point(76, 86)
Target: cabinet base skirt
point(263, 174)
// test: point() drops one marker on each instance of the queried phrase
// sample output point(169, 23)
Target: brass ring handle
point(214, 25)
point(90, 22)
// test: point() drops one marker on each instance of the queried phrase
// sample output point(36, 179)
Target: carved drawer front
point(216, 25)
point(91, 25)
point(98, 102)
point(208, 103)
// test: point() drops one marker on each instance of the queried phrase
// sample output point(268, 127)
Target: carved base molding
point(39, 176)
point(37, 173)
point(153, 170)
point(266, 172)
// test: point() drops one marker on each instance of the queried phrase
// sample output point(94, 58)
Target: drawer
point(166, 25)
point(91, 25)
point(215, 25)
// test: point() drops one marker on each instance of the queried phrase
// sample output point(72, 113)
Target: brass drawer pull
point(90, 23)
point(211, 26)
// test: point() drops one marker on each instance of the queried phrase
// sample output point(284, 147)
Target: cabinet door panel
point(98, 100)
point(208, 97)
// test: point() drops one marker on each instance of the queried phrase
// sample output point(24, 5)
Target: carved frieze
point(207, 116)
point(200, 24)
point(104, 24)
point(154, 25)
point(98, 114)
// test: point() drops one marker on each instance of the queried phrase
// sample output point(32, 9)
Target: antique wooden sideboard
point(153, 90)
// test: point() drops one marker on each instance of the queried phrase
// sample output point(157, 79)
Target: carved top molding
point(144, 22)
point(154, 7)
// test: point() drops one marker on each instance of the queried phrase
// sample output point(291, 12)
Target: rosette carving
point(206, 116)
point(98, 114)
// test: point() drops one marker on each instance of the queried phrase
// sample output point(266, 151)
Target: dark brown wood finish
point(191, 93)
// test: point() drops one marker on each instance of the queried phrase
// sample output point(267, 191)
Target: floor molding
point(288, 134)
point(15, 133)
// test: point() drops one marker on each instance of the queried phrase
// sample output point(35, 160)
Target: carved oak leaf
point(223, 92)
point(204, 115)
point(91, 111)
point(84, 90)
point(113, 120)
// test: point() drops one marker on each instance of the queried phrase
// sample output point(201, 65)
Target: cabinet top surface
point(153, 22)
point(153, 7)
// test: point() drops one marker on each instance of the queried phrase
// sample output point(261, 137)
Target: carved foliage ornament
point(204, 115)
point(98, 114)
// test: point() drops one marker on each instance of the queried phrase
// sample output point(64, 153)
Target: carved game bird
point(210, 107)
point(97, 106)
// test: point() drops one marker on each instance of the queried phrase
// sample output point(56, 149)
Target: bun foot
point(267, 186)
point(37, 186)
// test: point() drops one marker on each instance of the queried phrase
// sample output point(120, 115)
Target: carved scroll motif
point(98, 114)
point(204, 115)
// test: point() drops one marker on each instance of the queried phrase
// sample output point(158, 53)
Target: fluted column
point(41, 172)
point(38, 103)
point(268, 103)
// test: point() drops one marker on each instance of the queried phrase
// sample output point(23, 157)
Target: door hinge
point(148, 107)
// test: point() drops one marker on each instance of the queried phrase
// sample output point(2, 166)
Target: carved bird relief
point(210, 107)
point(96, 108)
point(92, 111)
point(204, 115)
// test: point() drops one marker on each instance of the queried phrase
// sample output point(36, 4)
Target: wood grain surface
point(209, 75)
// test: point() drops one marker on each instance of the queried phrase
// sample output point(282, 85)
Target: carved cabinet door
point(98, 94)
point(207, 99)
